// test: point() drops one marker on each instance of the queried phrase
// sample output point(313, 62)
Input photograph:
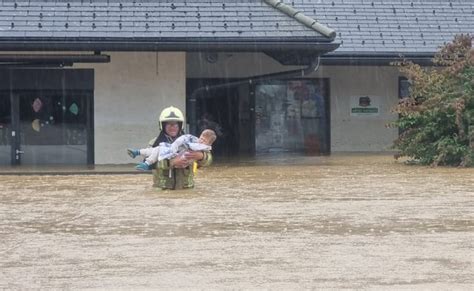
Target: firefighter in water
point(176, 173)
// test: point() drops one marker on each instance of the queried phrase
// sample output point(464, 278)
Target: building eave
point(187, 45)
point(376, 58)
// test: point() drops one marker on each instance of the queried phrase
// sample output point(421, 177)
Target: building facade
point(83, 81)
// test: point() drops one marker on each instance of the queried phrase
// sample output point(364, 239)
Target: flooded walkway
point(299, 223)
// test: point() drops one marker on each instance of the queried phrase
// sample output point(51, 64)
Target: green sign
point(362, 110)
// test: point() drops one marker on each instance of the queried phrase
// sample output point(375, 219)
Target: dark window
point(403, 87)
point(53, 118)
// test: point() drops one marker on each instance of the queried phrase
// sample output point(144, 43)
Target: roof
point(160, 25)
point(392, 26)
point(364, 27)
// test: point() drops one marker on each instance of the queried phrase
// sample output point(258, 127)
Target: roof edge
point(301, 18)
point(51, 44)
point(388, 54)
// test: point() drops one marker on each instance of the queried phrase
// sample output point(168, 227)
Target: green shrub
point(436, 121)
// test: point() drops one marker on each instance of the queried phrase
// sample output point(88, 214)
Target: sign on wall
point(365, 106)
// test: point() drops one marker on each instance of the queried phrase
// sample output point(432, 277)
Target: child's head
point(208, 137)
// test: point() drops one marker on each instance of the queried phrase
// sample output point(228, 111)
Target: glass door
point(53, 127)
point(292, 116)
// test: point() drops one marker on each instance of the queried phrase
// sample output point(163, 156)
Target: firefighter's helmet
point(171, 114)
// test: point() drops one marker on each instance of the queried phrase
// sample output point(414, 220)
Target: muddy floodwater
point(357, 222)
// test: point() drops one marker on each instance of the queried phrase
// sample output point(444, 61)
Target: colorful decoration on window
point(37, 105)
point(36, 125)
point(74, 109)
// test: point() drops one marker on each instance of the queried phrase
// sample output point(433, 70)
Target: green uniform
point(165, 177)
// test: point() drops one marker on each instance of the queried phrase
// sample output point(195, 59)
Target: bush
point(436, 121)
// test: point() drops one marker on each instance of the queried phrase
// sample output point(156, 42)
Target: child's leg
point(133, 153)
point(153, 156)
point(146, 152)
point(143, 166)
point(139, 152)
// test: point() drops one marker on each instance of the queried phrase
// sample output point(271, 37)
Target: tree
point(436, 120)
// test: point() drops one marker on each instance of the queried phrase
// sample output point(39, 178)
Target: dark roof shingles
point(392, 26)
point(361, 25)
point(170, 19)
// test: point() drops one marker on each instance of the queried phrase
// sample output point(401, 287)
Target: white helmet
point(171, 114)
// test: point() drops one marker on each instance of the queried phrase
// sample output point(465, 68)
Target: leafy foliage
point(436, 121)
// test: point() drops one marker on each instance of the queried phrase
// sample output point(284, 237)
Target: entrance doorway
point(222, 103)
point(46, 116)
point(264, 116)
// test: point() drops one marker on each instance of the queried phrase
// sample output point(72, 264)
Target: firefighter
point(177, 173)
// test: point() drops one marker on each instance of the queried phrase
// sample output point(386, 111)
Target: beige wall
point(130, 92)
point(348, 133)
point(361, 133)
point(132, 89)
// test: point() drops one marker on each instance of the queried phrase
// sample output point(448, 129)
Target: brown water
point(286, 223)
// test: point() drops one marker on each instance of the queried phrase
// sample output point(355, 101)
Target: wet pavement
point(357, 222)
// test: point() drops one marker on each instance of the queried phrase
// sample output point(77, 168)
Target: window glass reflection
point(292, 116)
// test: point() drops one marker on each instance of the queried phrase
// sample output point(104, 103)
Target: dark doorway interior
point(264, 116)
point(226, 107)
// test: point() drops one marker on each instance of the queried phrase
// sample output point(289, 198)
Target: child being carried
point(181, 145)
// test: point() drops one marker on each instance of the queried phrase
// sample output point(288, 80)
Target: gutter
point(376, 59)
point(311, 68)
point(301, 18)
point(188, 45)
point(54, 58)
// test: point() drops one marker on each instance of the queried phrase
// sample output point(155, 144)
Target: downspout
point(313, 67)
